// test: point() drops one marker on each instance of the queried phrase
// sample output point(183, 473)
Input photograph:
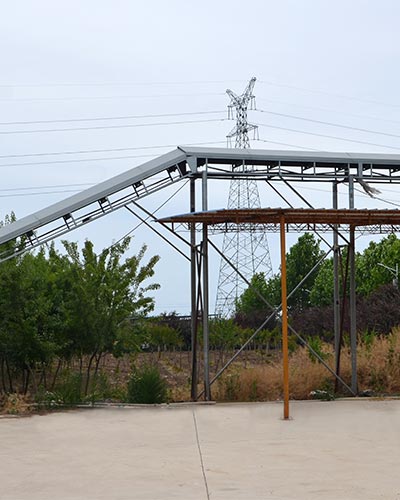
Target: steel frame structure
point(215, 164)
point(285, 220)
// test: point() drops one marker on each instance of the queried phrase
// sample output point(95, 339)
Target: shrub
point(68, 391)
point(147, 386)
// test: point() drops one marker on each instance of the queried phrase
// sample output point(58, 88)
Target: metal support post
point(207, 386)
point(285, 343)
point(193, 290)
point(353, 324)
point(336, 298)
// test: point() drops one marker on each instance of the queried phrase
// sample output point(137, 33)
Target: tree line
point(311, 305)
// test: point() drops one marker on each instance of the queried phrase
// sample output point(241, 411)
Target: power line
point(39, 193)
point(105, 118)
point(327, 136)
point(331, 124)
point(109, 150)
point(79, 160)
point(135, 125)
point(329, 110)
point(110, 97)
point(331, 94)
point(110, 84)
point(47, 187)
point(287, 144)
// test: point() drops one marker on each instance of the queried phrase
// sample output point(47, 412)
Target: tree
point(251, 309)
point(103, 293)
point(28, 320)
point(370, 274)
point(301, 258)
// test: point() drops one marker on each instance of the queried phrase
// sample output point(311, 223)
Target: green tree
point(370, 274)
point(322, 289)
point(301, 258)
point(251, 299)
point(161, 337)
point(28, 320)
point(103, 292)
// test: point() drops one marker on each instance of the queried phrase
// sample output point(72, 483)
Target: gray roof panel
point(282, 155)
point(91, 195)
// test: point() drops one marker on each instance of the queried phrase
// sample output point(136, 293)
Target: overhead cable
point(286, 129)
point(107, 97)
point(109, 150)
point(328, 110)
point(106, 118)
point(331, 124)
point(331, 94)
point(103, 127)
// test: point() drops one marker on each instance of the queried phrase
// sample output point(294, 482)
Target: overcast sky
point(335, 62)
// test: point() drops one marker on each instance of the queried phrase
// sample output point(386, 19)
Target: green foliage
point(147, 386)
point(251, 300)
point(68, 390)
point(224, 334)
point(301, 258)
point(104, 292)
point(322, 289)
point(316, 344)
point(57, 306)
point(160, 336)
point(368, 338)
point(370, 275)
point(230, 387)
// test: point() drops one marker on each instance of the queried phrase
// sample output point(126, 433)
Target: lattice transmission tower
point(248, 251)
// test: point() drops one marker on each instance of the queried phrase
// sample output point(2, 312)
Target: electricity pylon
point(248, 252)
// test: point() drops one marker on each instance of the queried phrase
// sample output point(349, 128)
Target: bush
point(147, 386)
point(68, 390)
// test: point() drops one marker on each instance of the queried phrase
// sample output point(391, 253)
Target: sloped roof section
point(99, 194)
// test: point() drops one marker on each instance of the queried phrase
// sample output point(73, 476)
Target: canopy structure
point(284, 218)
point(306, 218)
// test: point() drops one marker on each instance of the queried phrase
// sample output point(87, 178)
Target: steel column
point(353, 321)
point(193, 291)
point(336, 298)
point(285, 343)
point(206, 349)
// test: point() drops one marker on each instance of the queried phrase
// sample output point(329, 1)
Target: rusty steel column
point(285, 342)
point(193, 290)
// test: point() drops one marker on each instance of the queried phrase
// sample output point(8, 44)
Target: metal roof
point(119, 191)
point(262, 155)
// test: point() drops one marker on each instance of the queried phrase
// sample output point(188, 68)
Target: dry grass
point(16, 404)
point(256, 375)
point(378, 371)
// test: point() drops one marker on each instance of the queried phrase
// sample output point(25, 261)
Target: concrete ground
point(330, 450)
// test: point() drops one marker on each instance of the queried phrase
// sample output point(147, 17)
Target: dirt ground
point(329, 450)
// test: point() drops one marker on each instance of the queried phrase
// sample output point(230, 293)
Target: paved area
point(330, 450)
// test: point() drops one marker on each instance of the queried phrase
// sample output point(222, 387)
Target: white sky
point(329, 61)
